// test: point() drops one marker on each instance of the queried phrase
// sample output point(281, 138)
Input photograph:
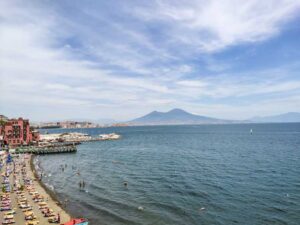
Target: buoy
point(140, 208)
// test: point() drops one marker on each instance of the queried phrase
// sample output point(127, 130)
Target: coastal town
point(76, 124)
point(18, 133)
point(24, 198)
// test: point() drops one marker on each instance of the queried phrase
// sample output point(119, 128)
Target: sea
point(194, 174)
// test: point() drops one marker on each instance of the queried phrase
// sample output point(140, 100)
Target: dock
point(55, 149)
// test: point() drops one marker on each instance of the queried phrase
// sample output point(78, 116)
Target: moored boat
point(79, 221)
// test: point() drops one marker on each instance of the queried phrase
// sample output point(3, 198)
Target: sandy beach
point(24, 175)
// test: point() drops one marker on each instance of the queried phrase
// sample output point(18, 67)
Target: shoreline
point(52, 196)
point(25, 194)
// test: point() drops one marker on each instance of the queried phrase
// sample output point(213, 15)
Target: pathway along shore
point(29, 172)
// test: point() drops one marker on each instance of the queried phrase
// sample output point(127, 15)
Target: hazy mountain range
point(286, 118)
point(179, 116)
point(175, 116)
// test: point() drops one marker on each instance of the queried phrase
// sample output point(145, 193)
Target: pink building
point(16, 132)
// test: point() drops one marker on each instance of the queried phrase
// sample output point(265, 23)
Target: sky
point(121, 59)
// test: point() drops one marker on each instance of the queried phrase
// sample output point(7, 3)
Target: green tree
point(2, 122)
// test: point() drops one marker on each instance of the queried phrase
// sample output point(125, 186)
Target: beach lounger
point(8, 217)
point(5, 208)
point(9, 221)
point(33, 222)
point(11, 212)
point(32, 217)
point(53, 219)
point(49, 214)
point(24, 206)
point(26, 210)
point(42, 203)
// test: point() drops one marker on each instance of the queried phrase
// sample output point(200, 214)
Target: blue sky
point(122, 59)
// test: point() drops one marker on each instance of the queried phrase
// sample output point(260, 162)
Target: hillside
point(175, 116)
point(289, 117)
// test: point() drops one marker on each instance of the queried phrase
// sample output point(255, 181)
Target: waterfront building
point(17, 132)
point(3, 118)
point(76, 124)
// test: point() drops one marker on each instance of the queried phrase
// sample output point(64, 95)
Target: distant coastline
point(181, 117)
point(75, 125)
point(172, 117)
point(183, 124)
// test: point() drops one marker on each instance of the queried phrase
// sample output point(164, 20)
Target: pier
point(55, 149)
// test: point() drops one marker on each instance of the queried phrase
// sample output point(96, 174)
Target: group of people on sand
point(5, 197)
point(24, 188)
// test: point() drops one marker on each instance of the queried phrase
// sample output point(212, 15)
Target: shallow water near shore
point(206, 174)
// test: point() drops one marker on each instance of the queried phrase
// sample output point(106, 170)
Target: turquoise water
point(206, 174)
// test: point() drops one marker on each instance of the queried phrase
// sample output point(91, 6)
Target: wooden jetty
point(54, 149)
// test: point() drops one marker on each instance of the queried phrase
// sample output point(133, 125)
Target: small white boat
point(112, 136)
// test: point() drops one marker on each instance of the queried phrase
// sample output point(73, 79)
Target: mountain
point(173, 117)
point(289, 117)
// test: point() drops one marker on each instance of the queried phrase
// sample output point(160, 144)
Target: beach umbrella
point(9, 159)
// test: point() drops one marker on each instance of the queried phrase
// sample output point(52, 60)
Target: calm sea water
point(207, 174)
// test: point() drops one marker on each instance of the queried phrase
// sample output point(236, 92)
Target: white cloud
point(214, 25)
point(132, 75)
point(239, 86)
